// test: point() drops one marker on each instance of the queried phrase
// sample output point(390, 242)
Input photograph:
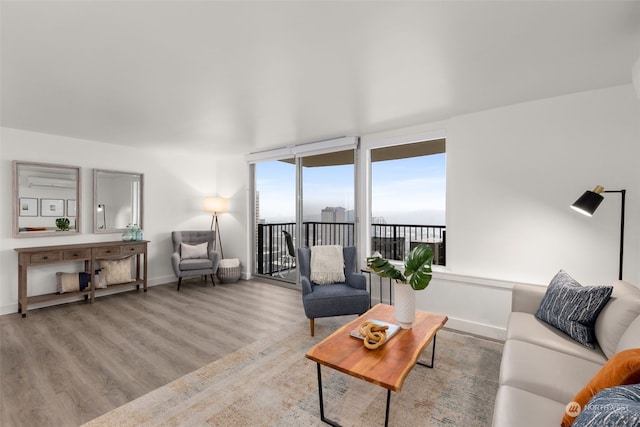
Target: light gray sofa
point(542, 368)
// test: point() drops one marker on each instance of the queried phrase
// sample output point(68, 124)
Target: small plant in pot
point(62, 224)
point(415, 277)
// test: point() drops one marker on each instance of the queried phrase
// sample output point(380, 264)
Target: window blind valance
point(303, 150)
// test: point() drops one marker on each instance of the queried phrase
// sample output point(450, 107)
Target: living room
point(561, 117)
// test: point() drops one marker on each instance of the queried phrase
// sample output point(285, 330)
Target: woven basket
point(228, 274)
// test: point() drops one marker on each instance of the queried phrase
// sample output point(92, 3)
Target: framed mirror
point(46, 199)
point(117, 200)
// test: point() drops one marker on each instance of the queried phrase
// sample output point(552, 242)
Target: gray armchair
point(338, 299)
point(194, 266)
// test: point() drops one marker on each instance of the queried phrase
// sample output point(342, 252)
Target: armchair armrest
point(527, 298)
point(215, 259)
point(357, 281)
point(175, 263)
point(306, 285)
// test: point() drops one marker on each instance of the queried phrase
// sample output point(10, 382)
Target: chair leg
point(179, 281)
point(312, 326)
point(212, 282)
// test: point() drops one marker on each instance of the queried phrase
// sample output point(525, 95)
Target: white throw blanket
point(327, 264)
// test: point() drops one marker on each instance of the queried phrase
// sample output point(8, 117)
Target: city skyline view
point(407, 191)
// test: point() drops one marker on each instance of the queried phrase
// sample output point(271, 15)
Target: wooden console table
point(90, 253)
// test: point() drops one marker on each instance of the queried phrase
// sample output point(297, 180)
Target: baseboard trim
point(467, 326)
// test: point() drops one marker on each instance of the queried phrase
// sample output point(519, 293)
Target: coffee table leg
point(433, 354)
point(322, 417)
point(386, 413)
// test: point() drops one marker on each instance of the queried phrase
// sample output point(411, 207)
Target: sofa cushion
point(553, 374)
point(573, 308)
point(623, 368)
point(526, 327)
point(631, 337)
point(196, 264)
point(622, 408)
point(617, 314)
point(516, 407)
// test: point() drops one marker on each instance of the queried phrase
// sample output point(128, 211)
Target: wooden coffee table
point(387, 366)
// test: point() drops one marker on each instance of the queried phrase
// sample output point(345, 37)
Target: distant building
point(333, 214)
point(334, 235)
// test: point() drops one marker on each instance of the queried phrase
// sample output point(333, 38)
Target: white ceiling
point(231, 76)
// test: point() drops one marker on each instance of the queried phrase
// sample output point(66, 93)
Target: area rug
point(271, 383)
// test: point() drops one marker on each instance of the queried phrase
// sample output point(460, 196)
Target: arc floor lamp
point(589, 202)
point(216, 205)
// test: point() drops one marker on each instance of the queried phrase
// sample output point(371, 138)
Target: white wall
point(175, 184)
point(512, 173)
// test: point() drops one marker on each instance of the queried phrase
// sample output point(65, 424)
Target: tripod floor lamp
point(216, 205)
point(589, 202)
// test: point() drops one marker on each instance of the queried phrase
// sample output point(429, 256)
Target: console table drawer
point(132, 249)
point(76, 254)
point(108, 251)
point(44, 257)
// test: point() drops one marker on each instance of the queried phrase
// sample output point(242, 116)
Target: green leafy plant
point(417, 267)
point(62, 224)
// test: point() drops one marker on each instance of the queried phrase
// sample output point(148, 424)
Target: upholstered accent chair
point(336, 299)
point(191, 257)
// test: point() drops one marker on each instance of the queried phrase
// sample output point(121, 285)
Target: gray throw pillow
point(612, 407)
point(573, 308)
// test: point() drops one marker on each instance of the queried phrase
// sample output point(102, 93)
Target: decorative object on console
point(216, 205)
point(589, 202)
point(416, 276)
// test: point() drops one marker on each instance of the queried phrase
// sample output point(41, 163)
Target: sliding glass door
point(302, 199)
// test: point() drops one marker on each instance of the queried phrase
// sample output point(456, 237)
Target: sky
point(405, 191)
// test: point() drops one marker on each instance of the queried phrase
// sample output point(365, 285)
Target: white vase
point(405, 304)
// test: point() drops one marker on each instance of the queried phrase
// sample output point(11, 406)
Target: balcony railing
point(393, 241)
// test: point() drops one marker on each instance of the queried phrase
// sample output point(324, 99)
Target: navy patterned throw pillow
point(573, 308)
point(612, 407)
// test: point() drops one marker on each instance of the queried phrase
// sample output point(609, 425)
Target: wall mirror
point(46, 199)
point(117, 200)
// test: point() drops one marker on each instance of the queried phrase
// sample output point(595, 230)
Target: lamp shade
point(589, 201)
point(215, 204)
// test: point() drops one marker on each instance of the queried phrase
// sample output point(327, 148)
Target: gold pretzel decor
point(374, 335)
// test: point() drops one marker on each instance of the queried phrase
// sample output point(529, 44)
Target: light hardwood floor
point(65, 365)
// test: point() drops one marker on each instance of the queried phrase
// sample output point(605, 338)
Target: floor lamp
point(589, 202)
point(216, 205)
